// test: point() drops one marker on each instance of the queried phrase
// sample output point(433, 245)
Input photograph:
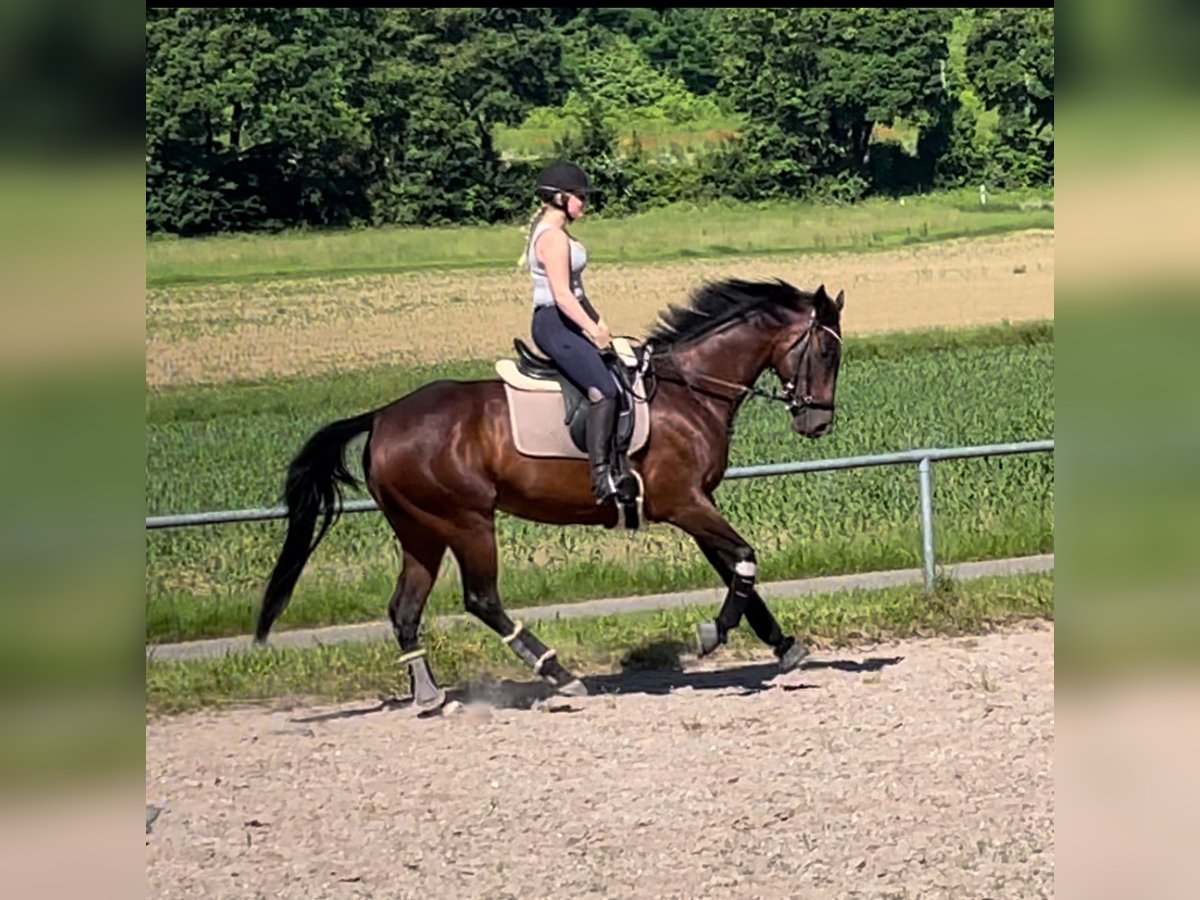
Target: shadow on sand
point(656, 668)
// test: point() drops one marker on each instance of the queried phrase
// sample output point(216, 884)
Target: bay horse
point(441, 461)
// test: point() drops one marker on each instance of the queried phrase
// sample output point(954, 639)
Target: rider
point(566, 327)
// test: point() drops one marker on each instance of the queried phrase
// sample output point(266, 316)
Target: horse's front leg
point(734, 560)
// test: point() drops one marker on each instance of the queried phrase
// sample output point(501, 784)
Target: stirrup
point(608, 488)
point(626, 487)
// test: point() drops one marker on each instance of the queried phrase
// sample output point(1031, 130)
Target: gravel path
point(909, 769)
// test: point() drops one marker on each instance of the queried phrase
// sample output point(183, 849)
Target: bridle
point(798, 350)
point(800, 347)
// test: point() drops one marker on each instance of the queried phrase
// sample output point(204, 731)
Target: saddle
point(548, 414)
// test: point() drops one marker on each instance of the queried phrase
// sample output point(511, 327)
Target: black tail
point(313, 490)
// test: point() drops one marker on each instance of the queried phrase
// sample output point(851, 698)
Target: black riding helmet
point(563, 176)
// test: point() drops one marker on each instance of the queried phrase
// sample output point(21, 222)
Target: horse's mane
point(715, 303)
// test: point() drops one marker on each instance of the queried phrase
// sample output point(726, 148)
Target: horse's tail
point(313, 490)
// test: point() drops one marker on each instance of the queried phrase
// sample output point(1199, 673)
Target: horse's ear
point(822, 295)
point(841, 300)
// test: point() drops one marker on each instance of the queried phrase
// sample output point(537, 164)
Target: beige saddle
point(548, 414)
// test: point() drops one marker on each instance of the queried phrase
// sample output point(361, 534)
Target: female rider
point(566, 327)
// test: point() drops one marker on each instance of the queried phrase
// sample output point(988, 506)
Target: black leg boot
point(601, 416)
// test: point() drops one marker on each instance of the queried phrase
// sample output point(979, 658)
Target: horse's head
point(805, 355)
point(733, 330)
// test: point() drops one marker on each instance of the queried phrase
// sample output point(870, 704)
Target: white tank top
point(542, 294)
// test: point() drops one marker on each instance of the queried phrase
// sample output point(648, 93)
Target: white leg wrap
point(517, 629)
point(537, 666)
point(412, 655)
point(746, 569)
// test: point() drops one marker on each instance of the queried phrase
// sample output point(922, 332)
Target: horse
point(441, 461)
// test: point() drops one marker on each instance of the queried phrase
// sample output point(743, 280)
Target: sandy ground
point(913, 769)
point(265, 330)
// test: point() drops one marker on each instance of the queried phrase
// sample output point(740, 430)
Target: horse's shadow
point(653, 669)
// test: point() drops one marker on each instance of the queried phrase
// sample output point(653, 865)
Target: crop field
point(253, 342)
point(256, 331)
point(228, 446)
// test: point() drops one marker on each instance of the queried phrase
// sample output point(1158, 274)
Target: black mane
point(716, 303)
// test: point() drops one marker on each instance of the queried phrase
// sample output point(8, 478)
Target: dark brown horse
point(441, 461)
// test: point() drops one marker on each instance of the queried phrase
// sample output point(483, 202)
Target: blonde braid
point(523, 259)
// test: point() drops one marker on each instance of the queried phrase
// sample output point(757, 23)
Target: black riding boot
point(599, 442)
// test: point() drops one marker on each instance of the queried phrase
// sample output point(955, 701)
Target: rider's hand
point(601, 336)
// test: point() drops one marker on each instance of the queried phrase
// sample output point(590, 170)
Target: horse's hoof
point(427, 696)
point(792, 656)
point(429, 701)
point(708, 637)
point(573, 688)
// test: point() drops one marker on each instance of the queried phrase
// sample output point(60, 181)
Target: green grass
point(228, 447)
point(660, 139)
point(590, 646)
point(659, 235)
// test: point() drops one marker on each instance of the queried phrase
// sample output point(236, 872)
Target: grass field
point(660, 235)
point(588, 646)
point(896, 392)
point(659, 139)
point(252, 342)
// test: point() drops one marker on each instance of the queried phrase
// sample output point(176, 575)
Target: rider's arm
point(554, 253)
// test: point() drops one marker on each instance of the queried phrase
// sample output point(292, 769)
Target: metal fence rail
point(923, 459)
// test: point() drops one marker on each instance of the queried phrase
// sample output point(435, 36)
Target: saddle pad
point(538, 428)
point(507, 369)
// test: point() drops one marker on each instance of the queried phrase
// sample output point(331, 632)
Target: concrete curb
point(382, 630)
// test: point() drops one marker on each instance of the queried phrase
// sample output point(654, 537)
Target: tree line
point(269, 118)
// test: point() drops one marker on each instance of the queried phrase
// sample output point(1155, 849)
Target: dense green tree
point(1010, 64)
point(682, 45)
point(621, 82)
point(268, 117)
point(451, 76)
point(814, 83)
point(277, 117)
point(253, 115)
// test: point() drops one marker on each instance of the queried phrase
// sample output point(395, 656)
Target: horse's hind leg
point(475, 550)
point(422, 557)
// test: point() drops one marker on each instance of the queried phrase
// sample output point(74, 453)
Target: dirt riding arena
point(913, 769)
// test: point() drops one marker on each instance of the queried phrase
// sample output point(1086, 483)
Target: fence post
point(925, 470)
